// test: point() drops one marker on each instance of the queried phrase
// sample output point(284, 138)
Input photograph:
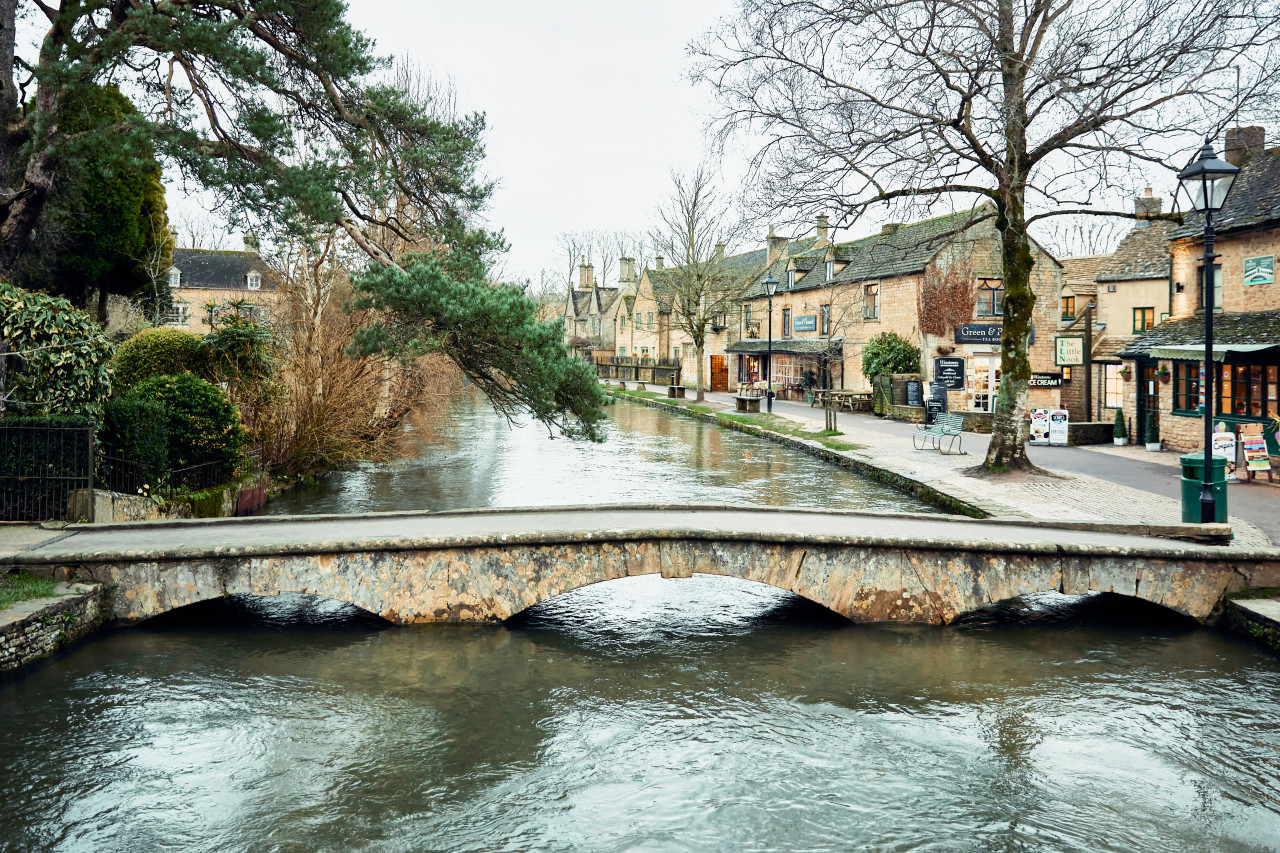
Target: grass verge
point(20, 586)
point(786, 426)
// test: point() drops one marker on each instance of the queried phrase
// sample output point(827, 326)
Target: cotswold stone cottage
point(201, 276)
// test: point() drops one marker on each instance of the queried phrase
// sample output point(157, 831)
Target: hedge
point(159, 352)
point(203, 425)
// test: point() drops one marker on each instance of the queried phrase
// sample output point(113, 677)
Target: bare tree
point(841, 305)
point(1050, 105)
point(947, 300)
point(193, 231)
point(691, 229)
point(1074, 236)
point(571, 250)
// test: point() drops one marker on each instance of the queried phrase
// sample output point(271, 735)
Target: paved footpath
point(1091, 484)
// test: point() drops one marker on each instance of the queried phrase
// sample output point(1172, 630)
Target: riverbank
point(37, 627)
point(945, 480)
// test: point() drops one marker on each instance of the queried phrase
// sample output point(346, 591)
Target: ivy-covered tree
point(104, 229)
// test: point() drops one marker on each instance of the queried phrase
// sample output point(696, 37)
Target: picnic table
point(854, 401)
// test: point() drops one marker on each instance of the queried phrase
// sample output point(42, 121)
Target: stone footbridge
point(487, 565)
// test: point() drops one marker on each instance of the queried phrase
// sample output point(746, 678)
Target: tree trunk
point(1008, 448)
point(697, 351)
point(102, 305)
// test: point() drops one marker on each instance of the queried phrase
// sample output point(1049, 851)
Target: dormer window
point(791, 279)
point(175, 277)
point(831, 270)
point(255, 280)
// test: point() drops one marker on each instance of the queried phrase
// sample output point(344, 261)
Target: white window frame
point(254, 280)
point(831, 270)
point(175, 277)
point(791, 279)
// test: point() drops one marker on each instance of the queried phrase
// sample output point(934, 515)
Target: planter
point(1126, 375)
point(1156, 447)
point(1120, 442)
point(808, 397)
point(1164, 377)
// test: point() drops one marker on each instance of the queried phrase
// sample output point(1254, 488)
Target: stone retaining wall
point(30, 630)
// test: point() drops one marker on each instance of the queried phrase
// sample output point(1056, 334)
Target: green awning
point(1195, 352)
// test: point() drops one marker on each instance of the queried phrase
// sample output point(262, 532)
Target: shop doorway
point(719, 374)
point(1148, 396)
point(985, 382)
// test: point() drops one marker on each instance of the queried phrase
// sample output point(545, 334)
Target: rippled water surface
point(474, 458)
point(641, 714)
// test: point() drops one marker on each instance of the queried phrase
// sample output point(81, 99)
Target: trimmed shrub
point(202, 424)
point(889, 352)
point(63, 360)
point(1152, 434)
point(158, 352)
point(1120, 430)
point(136, 428)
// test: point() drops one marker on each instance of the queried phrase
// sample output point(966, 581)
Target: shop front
point(795, 364)
point(1246, 391)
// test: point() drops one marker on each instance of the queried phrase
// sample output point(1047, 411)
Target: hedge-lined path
point(1091, 486)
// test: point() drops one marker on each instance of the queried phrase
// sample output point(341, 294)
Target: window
point(1112, 387)
point(638, 319)
point(255, 280)
point(1068, 308)
point(824, 312)
point(1066, 374)
point(1186, 387)
point(791, 279)
point(175, 277)
point(1248, 390)
point(990, 297)
point(675, 353)
point(746, 314)
point(871, 302)
point(622, 351)
point(1217, 286)
point(178, 314)
point(622, 321)
point(1143, 319)
point(650, 324)
point(786, 322)
point(831, 270)
point(644, 352)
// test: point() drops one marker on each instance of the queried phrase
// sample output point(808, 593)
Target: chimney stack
point(586, 275)
point(250, 243)
point(777, 247)
point(890, 228)
point(823, 229)
point(720, 251)
point(657, 262)
point(1148, 204)
point(1243, 143)
point(627, 270)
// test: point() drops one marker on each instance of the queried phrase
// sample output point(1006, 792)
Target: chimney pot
point(657, 262)
point(1147, 204)
point(1243, 143)
point(823, 226)
point(890, 228)
point(251, 242)
point(720, 251)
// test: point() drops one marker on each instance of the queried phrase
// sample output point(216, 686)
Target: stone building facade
point(1165, 365)
point(199, 277)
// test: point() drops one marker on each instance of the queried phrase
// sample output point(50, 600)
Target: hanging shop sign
point(1068, 350)
point(1059, 420)
point(1046, 380)
point(949, 372)
point(806, 323)
point(1039, 426)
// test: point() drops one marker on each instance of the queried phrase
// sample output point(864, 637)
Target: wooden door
point(719, 374)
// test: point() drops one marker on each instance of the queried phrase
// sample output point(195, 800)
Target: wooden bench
point(746, 403)
point(675, 392)
point(945, 425)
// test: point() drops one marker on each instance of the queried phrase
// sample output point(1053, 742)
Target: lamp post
point(1206, 183)
point(770, 288)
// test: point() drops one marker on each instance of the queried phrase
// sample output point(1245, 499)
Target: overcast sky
point(587, 102)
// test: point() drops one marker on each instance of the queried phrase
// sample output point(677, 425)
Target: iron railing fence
point(40, 467)
point(130, 476)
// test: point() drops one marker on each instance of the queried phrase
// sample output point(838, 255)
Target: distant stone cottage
point(201, 276)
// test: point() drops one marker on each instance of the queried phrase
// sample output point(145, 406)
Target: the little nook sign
point(1068, 350)
point(949, 373)
point(805, 323)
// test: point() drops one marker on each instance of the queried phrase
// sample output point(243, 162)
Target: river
point(703, 714)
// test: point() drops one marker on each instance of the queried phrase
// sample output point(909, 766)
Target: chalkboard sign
point(915, 393)
point(933, 407)
point(949, 372)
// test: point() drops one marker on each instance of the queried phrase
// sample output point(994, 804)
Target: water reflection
point(471, 457)
point(642, 714)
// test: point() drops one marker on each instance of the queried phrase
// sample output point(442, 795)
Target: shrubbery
point(159, 352)
point(41, 458)
point(63, 367)
point(202, 424)
point(889, 353)
point(136, 428)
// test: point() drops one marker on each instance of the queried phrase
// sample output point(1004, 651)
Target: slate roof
point(902, 252)
point(1254, 199)
point(1142, 254)
point(220, 270)
point(1254, 327)
point(1110, 347)
point(581, 302)
point(1080, 273)
point(607, 296)
point(738, 267)
point(796, 346)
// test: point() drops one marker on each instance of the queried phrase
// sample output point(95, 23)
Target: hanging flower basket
point(1163, 374)
point(1126, 374)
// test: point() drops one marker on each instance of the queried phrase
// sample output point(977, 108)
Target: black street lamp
point(1206, 183)
point(770, 288)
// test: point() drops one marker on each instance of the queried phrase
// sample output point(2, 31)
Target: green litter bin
point(1192, 471)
